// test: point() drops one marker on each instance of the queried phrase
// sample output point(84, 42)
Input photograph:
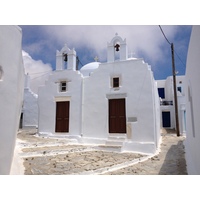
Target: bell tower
point(116, 46)
point(66, 59)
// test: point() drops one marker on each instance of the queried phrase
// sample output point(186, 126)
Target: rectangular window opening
point(161, 92)
point(116, 82)
point(179, 89)
point(63, 86)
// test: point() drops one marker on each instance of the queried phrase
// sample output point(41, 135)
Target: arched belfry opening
point(116, 49)
point(66, 59)
point(117, 46)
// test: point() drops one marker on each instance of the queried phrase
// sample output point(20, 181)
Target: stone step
point(115, 148)
point(117, 137)
point(113, 143)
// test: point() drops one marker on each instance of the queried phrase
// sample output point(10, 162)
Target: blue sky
point(147, 42)
point(41, 39)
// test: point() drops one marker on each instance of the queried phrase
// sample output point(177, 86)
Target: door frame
point(119, 116)
point(64, 129)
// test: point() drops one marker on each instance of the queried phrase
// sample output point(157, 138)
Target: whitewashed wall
point(168, 85)
point(47, 101)
point(192, 83)
point(30, 106)
point(11, 90)
point(169, 96)
point(138, 86)
point(89, 94)
point(156, 104)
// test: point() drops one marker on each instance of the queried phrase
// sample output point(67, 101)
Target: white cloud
point(37, 70)
point(146, 39)
point(36, 47)
point(145, 42)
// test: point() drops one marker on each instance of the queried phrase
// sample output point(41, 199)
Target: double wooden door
point(117, 116)
point(62, 116)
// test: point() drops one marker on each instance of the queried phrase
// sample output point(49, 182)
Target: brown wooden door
point(62, 116)
point(117, 116)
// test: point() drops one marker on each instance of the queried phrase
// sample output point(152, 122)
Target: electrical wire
point(171, 44)
point(180, 59)
point(164, 35)
point(79, 60)
point(39, 72)
point(40, 76)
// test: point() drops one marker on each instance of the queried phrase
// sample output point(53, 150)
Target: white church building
point(60, 100)
point(111, 103)
point(11, 90)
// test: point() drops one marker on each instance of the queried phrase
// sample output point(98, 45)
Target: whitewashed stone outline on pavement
point(104, 170)
point(85, 148)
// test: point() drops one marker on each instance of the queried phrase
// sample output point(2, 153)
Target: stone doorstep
point(117, 136)
point(106, 147)
point(115, 140)
point(113, 143)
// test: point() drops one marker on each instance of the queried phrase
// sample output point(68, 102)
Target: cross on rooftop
point(96, 58)
point(132, 54)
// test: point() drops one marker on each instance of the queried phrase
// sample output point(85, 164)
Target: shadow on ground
point(174, 163)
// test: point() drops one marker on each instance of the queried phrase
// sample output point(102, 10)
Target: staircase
point(113, 143)
point(116, 139)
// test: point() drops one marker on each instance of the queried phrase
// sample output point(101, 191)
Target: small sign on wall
point(132, 119)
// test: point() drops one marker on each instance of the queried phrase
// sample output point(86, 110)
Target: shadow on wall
point(174, 163)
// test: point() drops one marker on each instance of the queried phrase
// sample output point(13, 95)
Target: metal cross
point(96, 59)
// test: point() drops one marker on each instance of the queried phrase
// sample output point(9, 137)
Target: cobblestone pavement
point(58, 156)
point(170, 161)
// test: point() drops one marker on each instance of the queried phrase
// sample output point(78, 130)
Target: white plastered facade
point(50, 94)
point(89, 93)
point(11, 90)
point(30, 106)
point(167, 102)
point(192, 147)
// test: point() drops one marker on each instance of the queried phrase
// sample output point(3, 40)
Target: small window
point(161, 92)
point(63, 86)
point(179, 89)
point(116, 82)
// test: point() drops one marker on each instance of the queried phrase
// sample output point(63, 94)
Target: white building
point(104, 103)
point(167, 107)
point(29, 116)
point(11, 90)
point(192, 82)
point(62, 91)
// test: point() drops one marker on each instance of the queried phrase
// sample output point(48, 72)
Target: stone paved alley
point(58, 156)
